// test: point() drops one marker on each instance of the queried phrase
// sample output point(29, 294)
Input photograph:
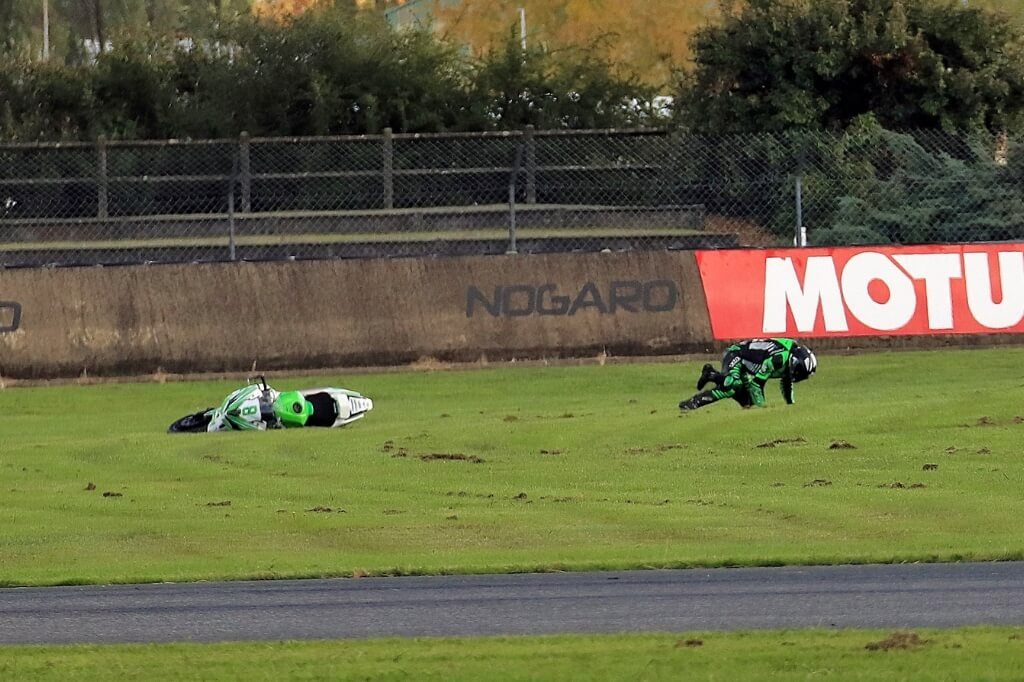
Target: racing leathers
point(746, 368)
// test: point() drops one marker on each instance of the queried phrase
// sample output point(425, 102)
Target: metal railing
point(525, 192)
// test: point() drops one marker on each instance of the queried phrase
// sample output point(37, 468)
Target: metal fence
point(525, 192)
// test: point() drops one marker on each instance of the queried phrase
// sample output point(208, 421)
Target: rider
point(746, 368)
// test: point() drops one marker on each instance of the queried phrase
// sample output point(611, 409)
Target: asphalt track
point(870, 596)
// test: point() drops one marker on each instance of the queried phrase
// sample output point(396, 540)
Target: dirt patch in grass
point(782, 441)
point(463, 493)
point(690, 642)
point(110, 493)
point(389, 446)
point(897, 640)
point(551, 452)
point(451, 456)
point(899, 485)
point(663, 447)
point(90, 486)
point(842, 445)
point(982, 421)
point(222, 503)
point(320, 509)
point(929, 467)
point(818, 483)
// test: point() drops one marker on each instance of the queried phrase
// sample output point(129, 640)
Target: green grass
point(964, 654)
point(580, 468)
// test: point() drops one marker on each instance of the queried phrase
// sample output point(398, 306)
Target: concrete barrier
point(302, 315)
point(232, 317)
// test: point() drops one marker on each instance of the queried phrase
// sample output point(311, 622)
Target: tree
point(781, 64)
point(645, 39)
point(17, 19)
point(903, 188)
point(565, 89)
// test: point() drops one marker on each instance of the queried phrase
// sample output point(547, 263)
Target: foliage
point(774, 65)
point(644, 39)
point(330, 70)
point(912, 194)
point(571, 89)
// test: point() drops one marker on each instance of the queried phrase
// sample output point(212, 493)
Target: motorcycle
point(258, 407)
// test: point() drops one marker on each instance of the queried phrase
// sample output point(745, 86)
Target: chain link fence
point(524, 192)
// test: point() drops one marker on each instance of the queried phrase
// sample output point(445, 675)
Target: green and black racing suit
point(746, 368)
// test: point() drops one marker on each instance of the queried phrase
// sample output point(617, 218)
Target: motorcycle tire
point(191, 423)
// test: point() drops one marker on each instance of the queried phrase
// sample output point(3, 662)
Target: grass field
point(885, 457)
point(966, 654)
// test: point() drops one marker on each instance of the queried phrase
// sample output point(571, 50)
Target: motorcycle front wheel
point(191, 423)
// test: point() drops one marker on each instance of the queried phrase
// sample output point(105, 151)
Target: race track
point(887, 596)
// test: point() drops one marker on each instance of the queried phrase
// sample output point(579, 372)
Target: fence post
point(235, 161)
point(531, 166)
point(516, 165)
point(102, 186)
point(389, 168)
point(245, 172)
point(800, 236)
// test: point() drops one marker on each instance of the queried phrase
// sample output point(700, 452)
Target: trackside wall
point(294, 315)
point(234, 317)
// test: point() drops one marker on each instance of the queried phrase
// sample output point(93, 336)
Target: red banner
point(865, 291)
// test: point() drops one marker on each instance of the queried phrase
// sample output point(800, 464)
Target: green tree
point(568, 88)
point(917, 188)
point(782, 64)
point(19, 20)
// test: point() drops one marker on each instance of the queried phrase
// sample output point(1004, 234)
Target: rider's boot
point(698, 401)
point(708, 375)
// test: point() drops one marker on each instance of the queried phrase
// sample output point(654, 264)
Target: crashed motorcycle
point(259, 407)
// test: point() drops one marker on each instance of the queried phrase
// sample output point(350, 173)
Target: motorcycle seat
point(325, 410)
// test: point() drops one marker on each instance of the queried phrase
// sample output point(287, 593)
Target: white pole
point(522, 27)
point(46, 30)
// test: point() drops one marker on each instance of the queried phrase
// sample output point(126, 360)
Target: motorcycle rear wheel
point(191, 423)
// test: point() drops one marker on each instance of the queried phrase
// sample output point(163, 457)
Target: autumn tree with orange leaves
point(642, 38)
point(281, 10)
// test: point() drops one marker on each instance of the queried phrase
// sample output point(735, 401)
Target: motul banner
point(865, 291)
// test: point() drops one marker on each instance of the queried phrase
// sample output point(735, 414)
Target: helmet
point(802, 363)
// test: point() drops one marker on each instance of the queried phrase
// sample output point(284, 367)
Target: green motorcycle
point(258, 407)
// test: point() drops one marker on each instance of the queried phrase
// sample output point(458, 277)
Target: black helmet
point(802, 362)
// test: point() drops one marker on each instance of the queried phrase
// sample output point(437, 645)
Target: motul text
point(964, 289)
